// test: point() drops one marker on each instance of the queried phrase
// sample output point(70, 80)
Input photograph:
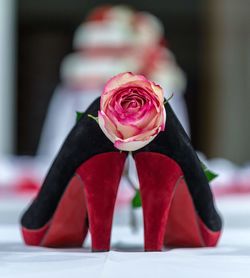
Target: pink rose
point(132, 111)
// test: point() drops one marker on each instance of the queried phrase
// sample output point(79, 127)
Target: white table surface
point(230, 259)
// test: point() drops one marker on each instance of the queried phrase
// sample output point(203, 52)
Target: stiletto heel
point(101, 189)
point(158, 176)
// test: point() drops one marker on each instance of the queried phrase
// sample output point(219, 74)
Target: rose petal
point(132, 145)
point(164, 118)
point(144, 85)
point(106, 127)
point(144, 135)
point(158, 91)
point(121, 79)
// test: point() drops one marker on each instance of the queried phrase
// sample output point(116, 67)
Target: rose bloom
point(132, 111)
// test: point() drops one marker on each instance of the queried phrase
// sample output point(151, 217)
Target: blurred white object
point(132, 172)
point(149, 30)
point(106, 26)
point(179, 106)
point(104, 34)
point(83, 71)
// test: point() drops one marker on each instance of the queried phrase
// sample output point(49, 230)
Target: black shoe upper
point(85, 140)
point(175, 143)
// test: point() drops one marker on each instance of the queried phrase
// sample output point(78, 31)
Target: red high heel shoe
point(177, 202)
point(81, 187)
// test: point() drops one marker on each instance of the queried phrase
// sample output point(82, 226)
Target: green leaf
point(209, 174)
point(93, 117)
point(78, 115)
point(136, 201)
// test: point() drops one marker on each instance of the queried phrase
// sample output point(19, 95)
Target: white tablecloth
point(230, 259)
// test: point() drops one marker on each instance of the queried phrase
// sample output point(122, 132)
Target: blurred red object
point(26, 185)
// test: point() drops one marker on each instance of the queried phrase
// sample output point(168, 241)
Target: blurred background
point(56, 55)
point(210, 40)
